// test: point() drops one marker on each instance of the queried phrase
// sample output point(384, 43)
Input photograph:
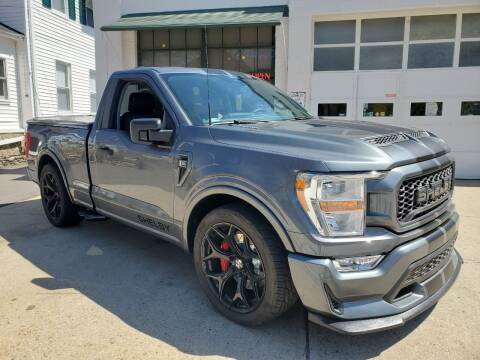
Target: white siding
point(12, 13)
point(9, 108)
point(24, 89)
point(57, 38)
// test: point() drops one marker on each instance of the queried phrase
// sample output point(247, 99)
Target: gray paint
point(368, 288)
point(141, 186)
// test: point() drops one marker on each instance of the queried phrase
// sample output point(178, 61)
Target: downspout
point(19, 88)
point(30, 56)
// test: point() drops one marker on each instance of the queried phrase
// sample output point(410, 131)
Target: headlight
point(334, 203)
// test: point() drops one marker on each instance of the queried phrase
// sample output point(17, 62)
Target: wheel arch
point(215, 197)
point(47, 157)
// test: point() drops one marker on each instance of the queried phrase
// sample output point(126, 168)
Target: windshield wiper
point(239, 122)
point(302, 118)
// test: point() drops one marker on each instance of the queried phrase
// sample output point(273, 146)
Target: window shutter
point(47, 3)
point(83, 13)
point(71, 9)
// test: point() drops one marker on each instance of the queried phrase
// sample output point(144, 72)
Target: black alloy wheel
point(242, 265)
point(56, 202)
point(233, 266)
point(51, 196)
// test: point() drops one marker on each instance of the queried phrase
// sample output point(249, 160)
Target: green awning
point(265, 15)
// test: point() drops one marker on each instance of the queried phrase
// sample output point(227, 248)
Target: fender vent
point(335, 304)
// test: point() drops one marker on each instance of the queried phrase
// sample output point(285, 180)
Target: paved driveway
point(105, 291)
point(15, 186)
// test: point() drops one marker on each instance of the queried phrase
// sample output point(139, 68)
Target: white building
point(11, 41)
point(414, 63)
point(47, 60)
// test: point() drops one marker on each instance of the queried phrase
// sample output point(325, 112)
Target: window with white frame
point(86, 12)
point(432, 41)
point(470, 108)
point(93, 92)
point(59, 5)
point(410, 42)
point(380, 109)
point(430, 108)
point(62, 6)
point(64, 86)
point(334, 45)
point(332, 109)
point(470, 43)
point(3, 80)
point(381, 43)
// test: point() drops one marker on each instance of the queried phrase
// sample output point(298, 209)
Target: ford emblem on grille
point(433, 191)
point(421, 194)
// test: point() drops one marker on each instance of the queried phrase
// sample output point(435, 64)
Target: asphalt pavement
point(15, 185)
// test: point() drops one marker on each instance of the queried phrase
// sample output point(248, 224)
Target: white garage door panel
point(377, 84)
point(461, 136)
point(449, 86)
point(445, 83)
point(333, 85)
point(467, 165)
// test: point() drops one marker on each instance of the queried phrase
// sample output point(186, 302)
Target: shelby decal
point(153, 223)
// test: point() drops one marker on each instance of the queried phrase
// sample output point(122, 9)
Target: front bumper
point(387, 296)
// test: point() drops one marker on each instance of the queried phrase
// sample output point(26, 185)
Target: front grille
point(419, 195)
point(428, 267)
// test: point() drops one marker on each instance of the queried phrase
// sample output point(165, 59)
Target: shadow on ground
point(20, 171)
point(467, 183)
point(151, 286)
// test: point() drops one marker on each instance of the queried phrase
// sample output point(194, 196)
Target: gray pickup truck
point(354, 219)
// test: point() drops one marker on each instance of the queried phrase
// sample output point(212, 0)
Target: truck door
point(134, 182)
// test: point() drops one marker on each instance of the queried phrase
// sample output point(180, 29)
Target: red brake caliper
point(224, 264)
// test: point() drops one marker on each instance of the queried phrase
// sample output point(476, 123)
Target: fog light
point(357, 263)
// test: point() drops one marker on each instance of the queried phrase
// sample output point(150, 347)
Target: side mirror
point(149, 131)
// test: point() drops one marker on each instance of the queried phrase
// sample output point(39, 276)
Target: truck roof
point(178, 70)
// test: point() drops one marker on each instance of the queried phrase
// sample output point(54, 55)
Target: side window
point(137, 100)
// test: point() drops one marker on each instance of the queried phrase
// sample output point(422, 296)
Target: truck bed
point(63, 139)
point(69, 121)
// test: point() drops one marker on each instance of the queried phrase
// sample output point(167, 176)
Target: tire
point(58, 208)
point(268, 290)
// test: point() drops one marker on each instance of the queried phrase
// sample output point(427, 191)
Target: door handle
point(106, 148)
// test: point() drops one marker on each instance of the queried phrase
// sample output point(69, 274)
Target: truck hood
point(340, 145)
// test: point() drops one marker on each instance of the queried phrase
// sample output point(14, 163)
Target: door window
point(137, 100)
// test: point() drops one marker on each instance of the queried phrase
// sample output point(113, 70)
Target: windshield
point(233, 98)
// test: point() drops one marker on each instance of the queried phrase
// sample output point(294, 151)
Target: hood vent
point(417, 134)
point(389, 139)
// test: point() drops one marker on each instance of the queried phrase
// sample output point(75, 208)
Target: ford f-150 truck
point(353, 218)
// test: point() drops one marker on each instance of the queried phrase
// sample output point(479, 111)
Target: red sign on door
point(262, 75)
